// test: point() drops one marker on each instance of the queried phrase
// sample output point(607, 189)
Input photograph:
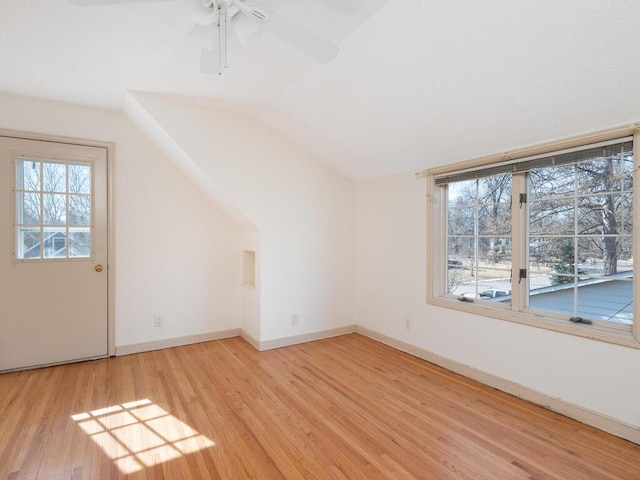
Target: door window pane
point(28, 175)
point(79, 178)
point(55, 209)
point(54, 176)
point(79, 210)
point(28, 242)
point(79, 242)
point(54, 243)
point(28, 208)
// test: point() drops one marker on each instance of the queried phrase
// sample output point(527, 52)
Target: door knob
point(99, 268)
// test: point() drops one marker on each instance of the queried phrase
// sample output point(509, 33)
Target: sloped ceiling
point(417, 83)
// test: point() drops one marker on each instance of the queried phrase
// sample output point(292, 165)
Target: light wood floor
point(342, 408)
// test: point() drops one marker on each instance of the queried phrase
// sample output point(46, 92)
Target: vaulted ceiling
point(417, 83)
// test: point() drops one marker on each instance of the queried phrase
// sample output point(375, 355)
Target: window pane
point(79, 242)
point(28, 175)
point(55, 177)
point(494, 219)
point(461, 251)
point(606, 173)
point(591, 175)
point(540, 269)
point(462, 193)
point(558, 299)
point(605, 214)
point(623, 171)
point(494, 269)
point(548, 252)
point(79, 178)
point(461, 263)
point(551, 216)
point(495, 252)
point(623, 164)
point(485, 274)
point(55, 209)
point(456, 276)
point(607, 299)
point(555, 182)
point(461, 221)
point(28, 208)
point(55, 243)
point(552, 270)
point(494, 189)
point(79, 210)
point(598, 256)
point(28, 242)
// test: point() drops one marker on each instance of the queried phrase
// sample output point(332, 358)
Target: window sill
point(593, 332)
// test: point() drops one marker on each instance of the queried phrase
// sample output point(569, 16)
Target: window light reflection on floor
point(140, 434)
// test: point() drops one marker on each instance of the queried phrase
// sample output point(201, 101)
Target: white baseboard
point(584, 415)
point(175, 342)
point(297, 339)
point(249, 339)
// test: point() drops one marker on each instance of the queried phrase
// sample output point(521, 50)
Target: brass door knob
point(99, 268)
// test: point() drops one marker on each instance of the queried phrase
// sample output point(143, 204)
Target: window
point(543, 237)
point(52, 209)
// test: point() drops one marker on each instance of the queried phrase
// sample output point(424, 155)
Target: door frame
point(110, 148)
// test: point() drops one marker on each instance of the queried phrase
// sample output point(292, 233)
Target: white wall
point(391, 285)
point(176, 254)
point(303, 209)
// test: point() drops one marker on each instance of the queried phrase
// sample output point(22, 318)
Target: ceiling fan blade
point(244, 29)
point(289, 31)
point(200, 13)
point(94, 3)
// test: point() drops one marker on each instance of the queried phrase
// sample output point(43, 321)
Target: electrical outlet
point(158, 321)
point(407, 323)
point(295, 319)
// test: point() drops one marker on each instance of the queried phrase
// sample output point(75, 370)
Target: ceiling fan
point(216, 19)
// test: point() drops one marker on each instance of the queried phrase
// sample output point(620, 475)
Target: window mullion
point(575, 241)
point(476, 236)
point(636, 233)
point(437, 240)
point(520, 242)
point(41, 200)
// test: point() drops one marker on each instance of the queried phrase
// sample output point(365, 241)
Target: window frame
point(516, 312)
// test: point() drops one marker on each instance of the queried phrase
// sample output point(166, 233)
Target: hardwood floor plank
point(341, 408)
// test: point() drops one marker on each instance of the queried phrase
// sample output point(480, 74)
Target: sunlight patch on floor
point(140, 434)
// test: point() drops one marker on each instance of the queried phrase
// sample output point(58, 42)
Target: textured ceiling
point(417, 83)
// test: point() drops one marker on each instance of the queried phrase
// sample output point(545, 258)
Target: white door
point(53, 253)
